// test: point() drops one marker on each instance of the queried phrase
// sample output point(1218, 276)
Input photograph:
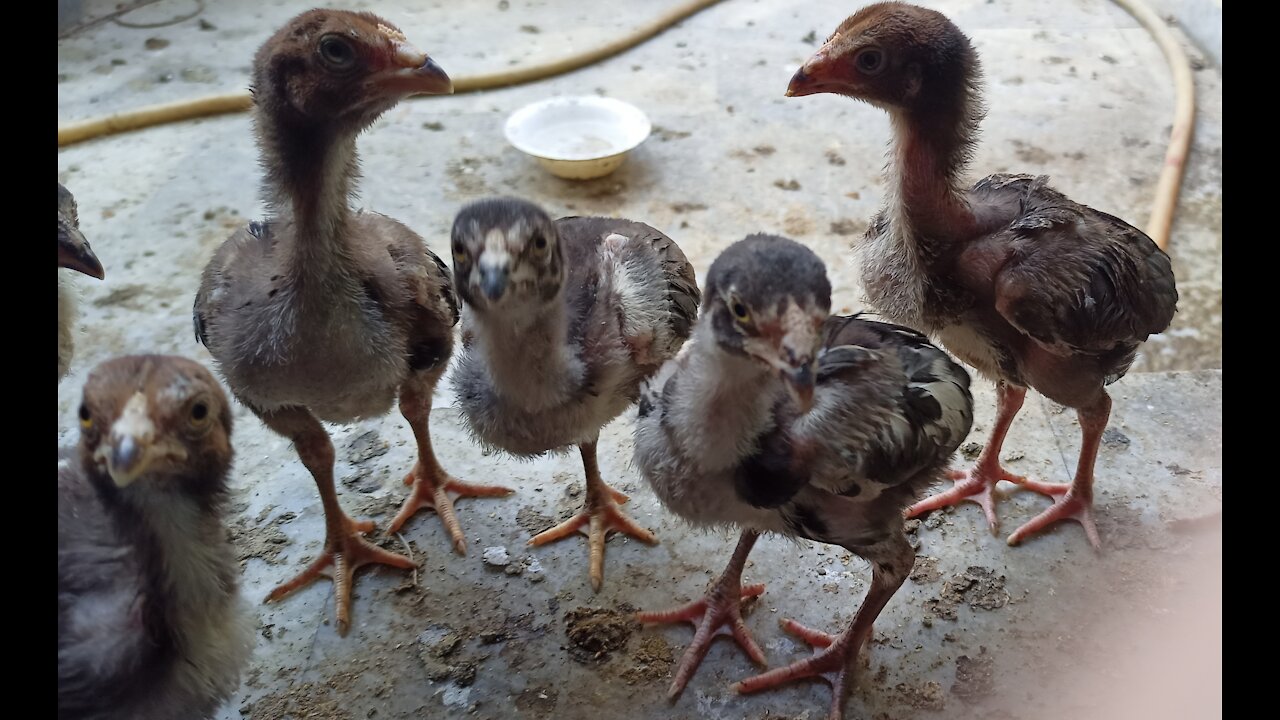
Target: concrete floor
point(1076, 90)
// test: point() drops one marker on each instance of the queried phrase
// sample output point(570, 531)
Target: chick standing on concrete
point(1027, 286)
point(563, 321)
point(150, 621)
point(779, 417)
point(74, 253)
point(322, 313)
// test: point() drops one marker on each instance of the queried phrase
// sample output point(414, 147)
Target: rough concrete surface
point(1076, 90)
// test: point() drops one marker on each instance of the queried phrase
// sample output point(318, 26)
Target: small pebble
point(496, 556)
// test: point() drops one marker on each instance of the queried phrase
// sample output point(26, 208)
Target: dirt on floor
point(594, 633)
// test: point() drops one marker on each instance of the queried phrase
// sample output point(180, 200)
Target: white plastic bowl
point(578, 137)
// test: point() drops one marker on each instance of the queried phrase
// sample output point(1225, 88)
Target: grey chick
point(562, 322)
point(779, 417)
point(151, 624)
point(74, 253)
point(322, 313)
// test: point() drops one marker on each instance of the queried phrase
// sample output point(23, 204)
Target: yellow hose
point(75, 132)
point(1184, 118)
point(1167, 188)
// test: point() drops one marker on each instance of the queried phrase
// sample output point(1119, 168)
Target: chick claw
point(976, 485)
point(832, 661)
point(1068, 504)
point(344, 553)
point(600, 517)
point(721, 606)
point(428, 492)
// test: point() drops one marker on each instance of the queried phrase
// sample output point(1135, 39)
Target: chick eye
point(86, 420)
point(459, 254)
point(540, 242)
point(870, 61)
point(740, 311)
point(199, 413)
point(336, 52)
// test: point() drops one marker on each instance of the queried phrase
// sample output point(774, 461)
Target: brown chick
point(75, 254)
point(1027, 286)
point(322, 313)
point(151, 624)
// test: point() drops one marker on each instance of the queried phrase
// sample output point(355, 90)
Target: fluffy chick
point(563, 320)
point(779, 417)
point(151, 624)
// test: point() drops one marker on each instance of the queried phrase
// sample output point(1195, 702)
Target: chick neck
point(181, 542)
point(933, 141)
point(722, 402)
point(311, 170)
point(527, 351)
point(66, 321)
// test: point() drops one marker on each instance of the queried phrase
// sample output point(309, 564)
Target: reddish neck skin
point(930, 158)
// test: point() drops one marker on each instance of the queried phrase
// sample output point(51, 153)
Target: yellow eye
point(199, 414)
point(86, 420)
point(739, 310)
point(459, 255)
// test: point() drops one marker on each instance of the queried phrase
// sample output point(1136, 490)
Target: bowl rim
point(618, 107)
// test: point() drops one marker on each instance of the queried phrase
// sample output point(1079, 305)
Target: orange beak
point(820, 74)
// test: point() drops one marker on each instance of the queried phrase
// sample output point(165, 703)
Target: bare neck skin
point(931, 150)
point(722, 402)
point(310, 173)
point(528, 354)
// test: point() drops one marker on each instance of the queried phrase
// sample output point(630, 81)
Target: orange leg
point(978, 485)
point(600, 516)
point(431, 484)
point(1073, 501)
point(836, 656)
point(721, 606)
point(345, 549)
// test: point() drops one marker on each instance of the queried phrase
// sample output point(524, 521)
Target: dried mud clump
point(595, 632)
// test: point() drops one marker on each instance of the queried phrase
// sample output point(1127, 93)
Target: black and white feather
point(723, 443)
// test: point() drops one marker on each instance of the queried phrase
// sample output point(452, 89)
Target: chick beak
point(413, 73)
point(493, 281)
point(131, 445)
point(126, 462)
point(795, 353)
point(74, 252)
point(819, 74)
point(799, 380)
